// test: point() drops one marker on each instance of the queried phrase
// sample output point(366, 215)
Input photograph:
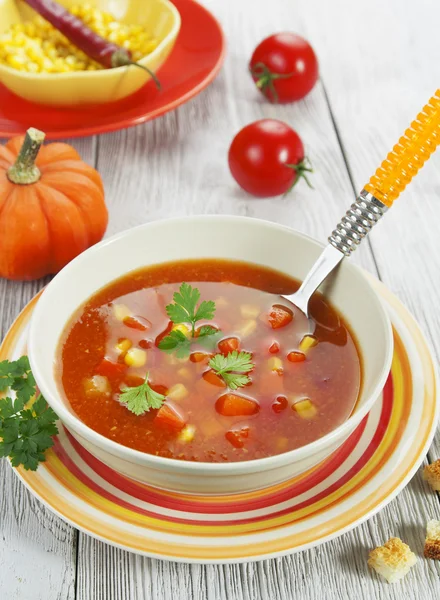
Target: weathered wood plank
point(37, 549)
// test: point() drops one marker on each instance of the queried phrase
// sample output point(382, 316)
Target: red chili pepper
point(99, 49)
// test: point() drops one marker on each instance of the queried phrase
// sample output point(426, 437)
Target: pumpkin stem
point(24, 171)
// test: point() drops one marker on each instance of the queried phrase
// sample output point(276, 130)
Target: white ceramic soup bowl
point(238, 238)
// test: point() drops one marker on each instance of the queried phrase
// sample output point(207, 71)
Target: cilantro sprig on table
point(233, 368)
point(185, 310)
point(26, 427)
point(142, 398)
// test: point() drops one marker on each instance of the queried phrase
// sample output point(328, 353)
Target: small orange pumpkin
point(51, 206)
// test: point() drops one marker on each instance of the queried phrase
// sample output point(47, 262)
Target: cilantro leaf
point(26, 431)
point(208, 336)
point(185, 310)
point(235, 380)
point(142, 398)
point(206, 310)
point(233, 368)
point(176, 340)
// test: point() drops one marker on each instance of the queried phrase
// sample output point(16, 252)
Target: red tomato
point(111, 370)
point(284, 67)
point(266, 158)
point(228, 345)
point(168, 417)
point(279, 316)
point(233, 405)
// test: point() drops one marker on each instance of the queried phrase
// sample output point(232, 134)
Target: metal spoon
point(396, 171)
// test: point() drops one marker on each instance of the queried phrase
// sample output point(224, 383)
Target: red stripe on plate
point(182, 503)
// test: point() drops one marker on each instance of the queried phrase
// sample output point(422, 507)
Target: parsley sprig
point(185, 310)
point(233, 368)
point(142, 398)
point(26, 428)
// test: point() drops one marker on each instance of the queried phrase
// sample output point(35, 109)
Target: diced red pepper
point(274, 348)
point(199, 357)
point(110, 369)
point(296, 357)
point(280, 404)
point(228, 345)
point(138, 323)
point(169, 418)
point(212, 377)
point(233, 405)
point(160, 389)
point(164, 333)
point(235, 436)
point(280, 316)
point(145, 344)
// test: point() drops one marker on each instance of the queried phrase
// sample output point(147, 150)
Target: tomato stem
point(265, 78)
point(121, 58)
point(301, 168)
point(24, 171)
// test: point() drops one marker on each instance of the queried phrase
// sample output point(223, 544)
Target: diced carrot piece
point(228, 345)
point(274, 348)
point(280, 404)
point(233, 405)
point(111, 369)
point(296, 357)
point(199, 357)
point(137, 323)
point(170, 418)
point(212, 377)
point(280, 316)
point(235, 437)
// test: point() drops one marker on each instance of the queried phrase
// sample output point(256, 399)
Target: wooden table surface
point(379, 65)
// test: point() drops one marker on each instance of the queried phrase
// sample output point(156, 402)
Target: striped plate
point(359, 479)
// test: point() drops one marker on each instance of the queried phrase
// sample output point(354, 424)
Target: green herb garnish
point(233, 368)
point(142, 398)
point(26, 431)
point(185, 310)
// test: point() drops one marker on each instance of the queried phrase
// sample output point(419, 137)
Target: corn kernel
point(305, 408)
point(308, 341)
point(123, 346)
point(249, 311)
point(135, 357)
point(247, 328)
point(187, 434)
point(121, 312)
point(97, 386)
point(182, 328)
point(275, 364)
point(184, 373)
point(177, 392)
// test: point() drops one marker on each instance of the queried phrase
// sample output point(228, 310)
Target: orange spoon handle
point(409, 154)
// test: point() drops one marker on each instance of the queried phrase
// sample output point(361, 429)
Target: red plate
point(193, 64)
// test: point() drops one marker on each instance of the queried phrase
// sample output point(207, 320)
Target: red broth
point(300, 388)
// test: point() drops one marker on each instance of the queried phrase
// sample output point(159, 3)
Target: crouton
point(431, 473)
point(393, 560)
point(432, 542)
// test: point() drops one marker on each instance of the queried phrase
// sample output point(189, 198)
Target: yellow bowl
point(159, 17)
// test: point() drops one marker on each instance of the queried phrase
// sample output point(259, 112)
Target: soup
point(215, 369)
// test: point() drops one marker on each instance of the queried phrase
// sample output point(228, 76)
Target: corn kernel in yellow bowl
point(73, 79)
